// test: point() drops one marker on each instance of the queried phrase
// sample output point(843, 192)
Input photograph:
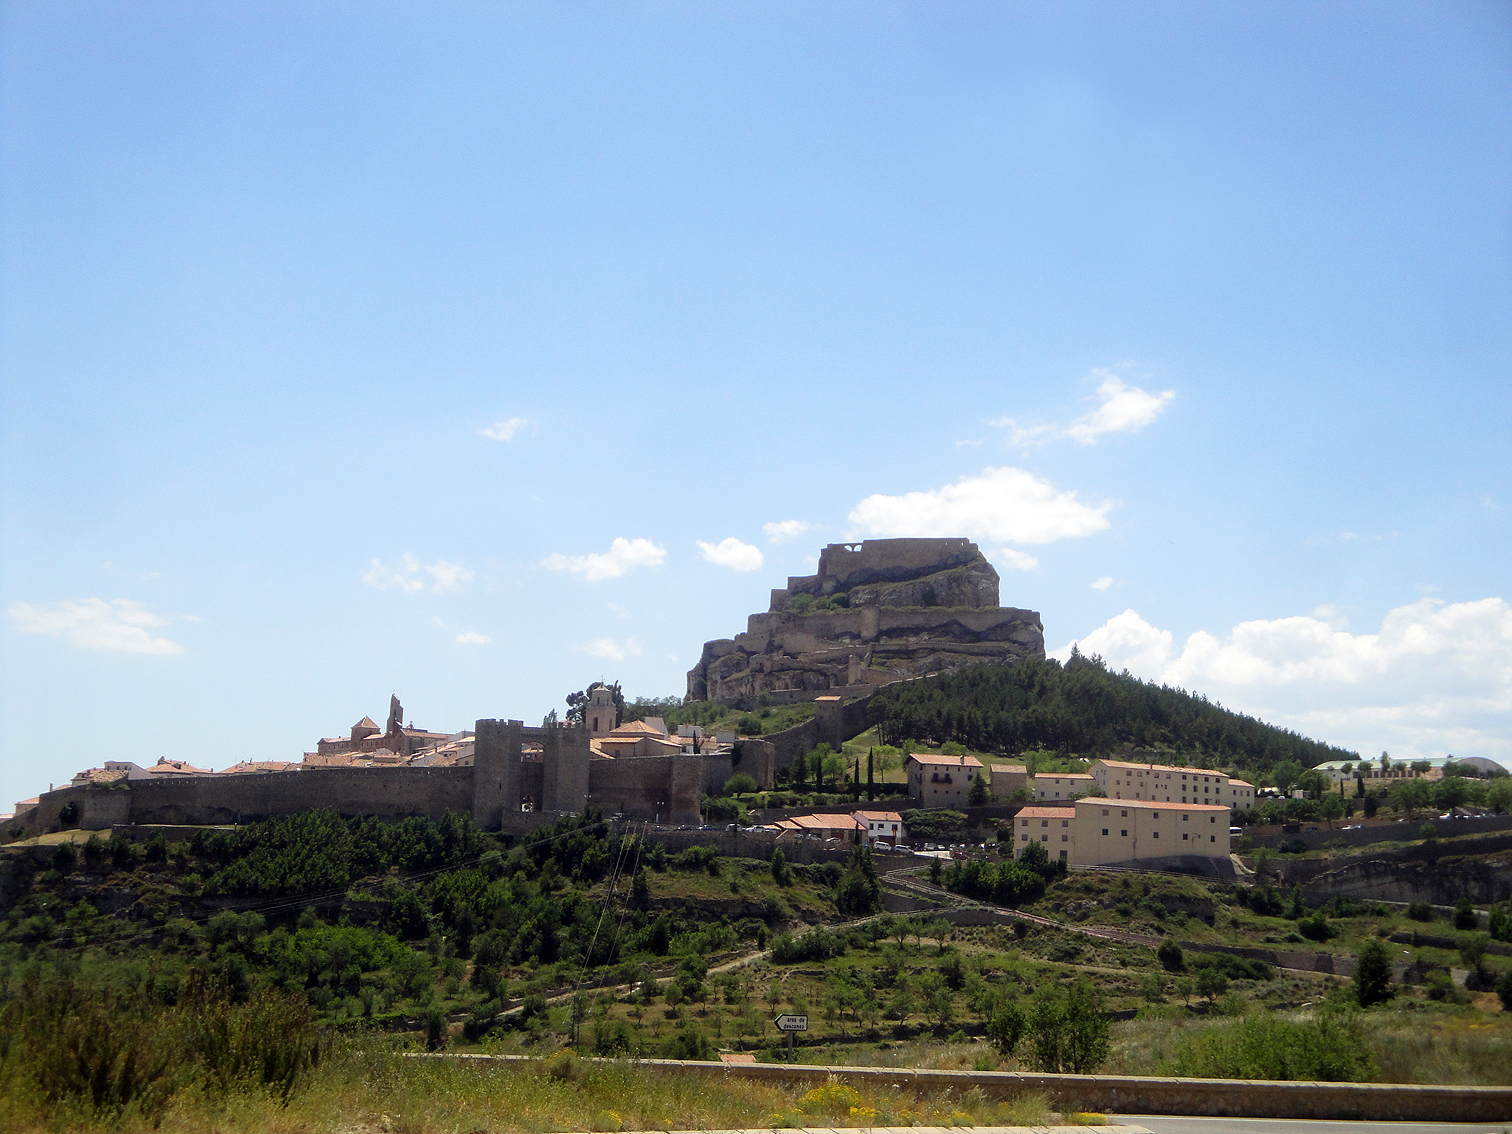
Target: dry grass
point(381, 1092)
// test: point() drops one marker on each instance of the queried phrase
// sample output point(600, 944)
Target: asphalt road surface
point(1173, 1124)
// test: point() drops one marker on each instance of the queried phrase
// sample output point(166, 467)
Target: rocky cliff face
point(875, 613)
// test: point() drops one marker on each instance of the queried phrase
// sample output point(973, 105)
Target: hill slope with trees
point(1084, 709)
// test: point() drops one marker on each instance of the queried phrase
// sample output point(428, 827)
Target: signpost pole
point(790, 1047)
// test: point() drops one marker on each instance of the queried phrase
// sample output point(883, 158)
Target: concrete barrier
point(1136, 1094)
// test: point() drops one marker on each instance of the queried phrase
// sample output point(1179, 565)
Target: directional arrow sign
point(791, 1023)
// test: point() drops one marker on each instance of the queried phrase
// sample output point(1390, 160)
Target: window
point(1212, 818)
point(1155, 834)
point(1065, 838)
point(1212, 838)
point(1105, 830)
point(1105, 810)
point(1025, 823)
point(1184, 818)
point(1124, 814)
point(1044, 838)
point(1023, 838)
point(1125, 834)
point(1184, 836)
point(1065, 822)
point(1044, 822)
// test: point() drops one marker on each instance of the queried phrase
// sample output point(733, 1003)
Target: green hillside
point(1081, 708)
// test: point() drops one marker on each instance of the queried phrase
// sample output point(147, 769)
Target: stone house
point(941, 781)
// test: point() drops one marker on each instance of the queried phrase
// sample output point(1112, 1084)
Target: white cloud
point(731, 553)
point(96, 624)
point(623, 555)
point(1003, 505)
point(783, 530)
point(1103, 583)
point(1014, 560)
point(1122, 409)
point(610, 650)
point(1435, 678)
point(504, 430)
point(409, 575)
point(473, 638)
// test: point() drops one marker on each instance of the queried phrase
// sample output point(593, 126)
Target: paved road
point(1173, 1124)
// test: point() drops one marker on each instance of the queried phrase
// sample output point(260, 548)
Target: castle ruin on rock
point(876, 612)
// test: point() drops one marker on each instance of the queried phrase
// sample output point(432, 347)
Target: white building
point(1127, 833)
point(1062, 785)
point(879, 827)
point(1166, 783)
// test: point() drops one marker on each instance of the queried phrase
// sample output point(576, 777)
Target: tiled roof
point(1065, 776)
point(635, 728)
point(953, 761)
point(1037, 812)
point(878, 816)
point(1164, 768)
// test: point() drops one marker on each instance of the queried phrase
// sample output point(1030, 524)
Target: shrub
point(740, 783)
point(1068, 1029)
point(1170, 956)
point(1464, 915)
point(1420, 911)
point(686, 1043)
point(1315, 927)
point(1005, 1027)
point(1372, 977)
point(1329, 1048)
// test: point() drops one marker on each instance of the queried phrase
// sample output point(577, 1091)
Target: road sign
point(791, 1023)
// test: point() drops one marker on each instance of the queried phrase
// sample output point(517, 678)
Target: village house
point(1007, 779)
point(1062, 785)
point(941, 781)
point(879, 827)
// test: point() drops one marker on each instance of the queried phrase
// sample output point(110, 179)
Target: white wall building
point(1166, 783)
point(1129, 833)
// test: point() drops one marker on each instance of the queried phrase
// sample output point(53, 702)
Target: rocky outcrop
point(876, 612)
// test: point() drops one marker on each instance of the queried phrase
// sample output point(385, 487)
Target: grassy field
point(367, 1086)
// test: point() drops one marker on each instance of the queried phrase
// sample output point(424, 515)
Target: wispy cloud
point(411, 576)
point(473, 638)
point(1001, 505)
point(611, 650)
point(731, 553)
point(504, 430)
point(1121, 408)
point(781, 531)
point(1103, 583)
point(623, 555)
point(1014, 559)
point(94, 624)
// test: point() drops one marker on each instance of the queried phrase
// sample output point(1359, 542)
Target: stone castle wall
point(564, 780)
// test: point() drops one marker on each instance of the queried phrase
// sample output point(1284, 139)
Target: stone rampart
point(387, 793)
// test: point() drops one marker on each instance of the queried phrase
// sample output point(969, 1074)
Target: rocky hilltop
point(876, 612)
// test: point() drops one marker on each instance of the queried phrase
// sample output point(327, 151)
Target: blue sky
point(468, 352)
